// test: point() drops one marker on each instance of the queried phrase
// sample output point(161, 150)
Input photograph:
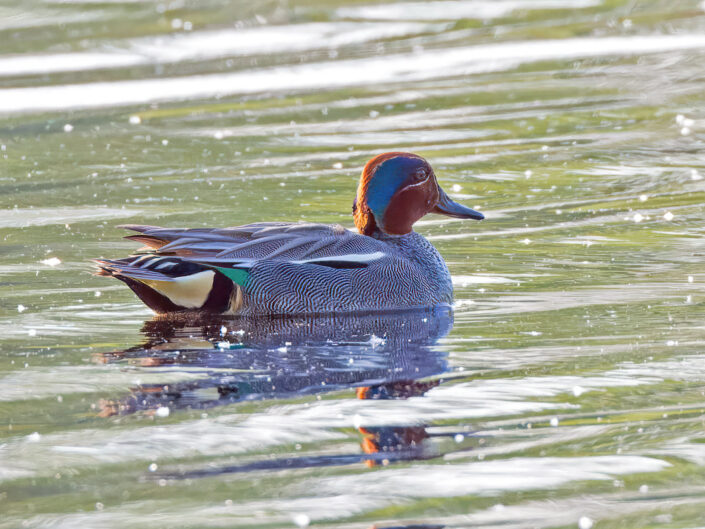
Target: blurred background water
point(565, 390)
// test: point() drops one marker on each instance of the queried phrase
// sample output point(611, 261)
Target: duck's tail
point(170, 284)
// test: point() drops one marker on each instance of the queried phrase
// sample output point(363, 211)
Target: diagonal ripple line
point(336, 74)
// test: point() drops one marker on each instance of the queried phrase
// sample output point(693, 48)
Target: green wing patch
point(236, 275)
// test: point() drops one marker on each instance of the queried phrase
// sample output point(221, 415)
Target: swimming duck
point(291, 268)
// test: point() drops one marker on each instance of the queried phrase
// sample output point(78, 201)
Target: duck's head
point(397, 189)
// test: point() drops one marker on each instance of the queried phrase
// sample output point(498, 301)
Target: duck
point(304, 268)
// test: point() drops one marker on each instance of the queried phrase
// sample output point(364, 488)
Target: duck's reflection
point(379, 356)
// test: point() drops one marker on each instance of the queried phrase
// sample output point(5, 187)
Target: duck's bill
point(450, 208)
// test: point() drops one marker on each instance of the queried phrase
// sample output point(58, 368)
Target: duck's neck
point(382, 235)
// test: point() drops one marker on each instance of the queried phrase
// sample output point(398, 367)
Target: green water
point(571, 384)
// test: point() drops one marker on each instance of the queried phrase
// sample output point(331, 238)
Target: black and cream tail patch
point(168, 284)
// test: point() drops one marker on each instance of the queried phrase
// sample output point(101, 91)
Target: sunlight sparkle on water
point(585, 522)
point(52, 261)
point(302, 520)
point(376, 341)
point(34, 437)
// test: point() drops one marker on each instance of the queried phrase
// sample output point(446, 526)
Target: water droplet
point(301, 520)
point(34, 437)
point(585, 522)
point(376, 341)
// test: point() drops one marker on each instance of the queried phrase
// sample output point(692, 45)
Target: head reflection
point(396, 442)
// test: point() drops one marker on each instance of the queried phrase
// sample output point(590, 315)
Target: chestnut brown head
point(398, 188)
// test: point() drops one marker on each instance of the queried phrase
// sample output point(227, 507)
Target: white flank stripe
point(352, 258)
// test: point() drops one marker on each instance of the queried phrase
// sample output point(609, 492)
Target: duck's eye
point(419, 176)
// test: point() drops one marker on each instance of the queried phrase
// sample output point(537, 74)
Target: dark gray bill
point(448, 207)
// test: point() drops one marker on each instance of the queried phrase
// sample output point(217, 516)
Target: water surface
point(565, 387)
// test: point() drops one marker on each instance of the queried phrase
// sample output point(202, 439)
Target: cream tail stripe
point(190, 291)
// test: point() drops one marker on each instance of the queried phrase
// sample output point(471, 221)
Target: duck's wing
point(266, 241)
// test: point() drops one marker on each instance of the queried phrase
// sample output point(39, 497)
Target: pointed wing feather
point(124, 267)
point(263, 241)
